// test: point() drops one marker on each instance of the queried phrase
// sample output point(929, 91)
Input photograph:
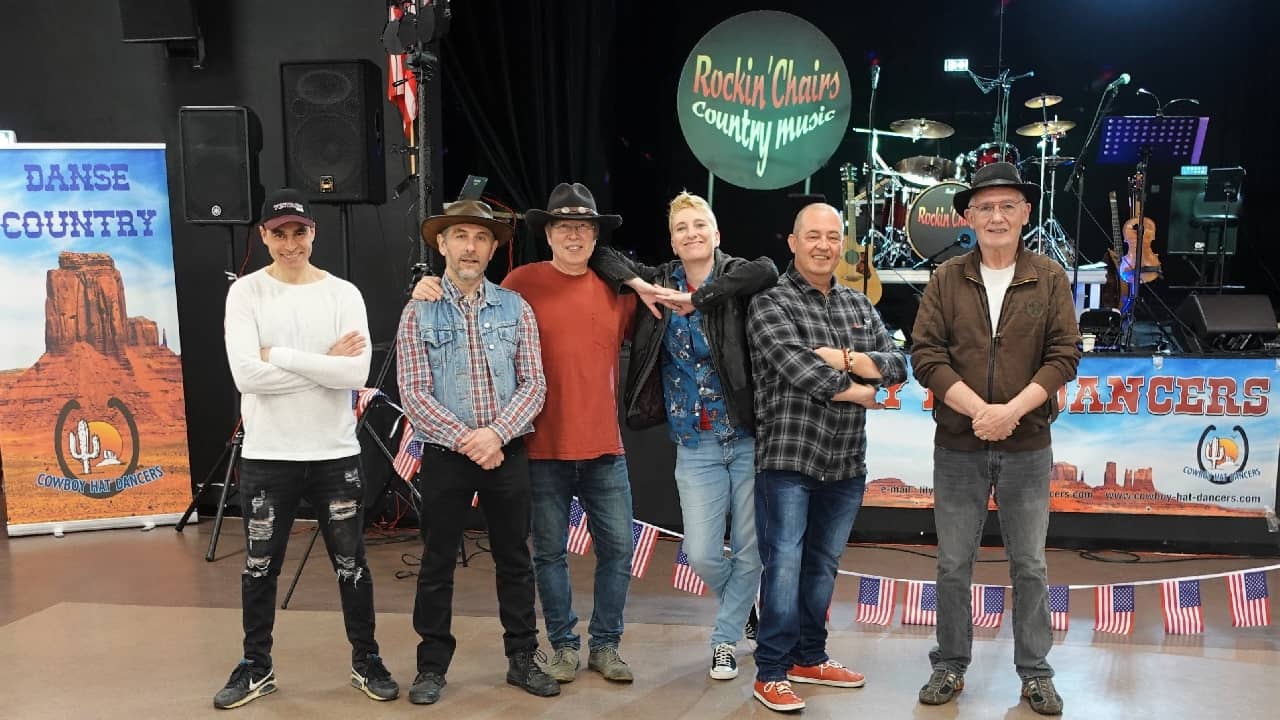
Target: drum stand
point(1048, 237)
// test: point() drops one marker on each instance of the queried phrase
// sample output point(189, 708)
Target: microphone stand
point(1075, 183)
point(867, 249)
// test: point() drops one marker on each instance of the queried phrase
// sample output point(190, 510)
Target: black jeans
point(448, 482)
point(269, 494)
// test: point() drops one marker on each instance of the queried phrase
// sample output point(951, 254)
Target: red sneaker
point(778, 696)
point(828, 673)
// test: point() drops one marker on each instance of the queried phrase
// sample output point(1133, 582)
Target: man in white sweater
point(297, 342)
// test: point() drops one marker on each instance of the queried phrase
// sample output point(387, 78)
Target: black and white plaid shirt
point(798, 426)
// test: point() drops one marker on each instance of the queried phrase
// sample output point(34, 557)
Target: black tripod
point(230, 454)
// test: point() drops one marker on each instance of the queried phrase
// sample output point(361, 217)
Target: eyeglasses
point(1006, 208)
point(565, 228)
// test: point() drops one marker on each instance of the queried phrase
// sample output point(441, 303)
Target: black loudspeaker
point(157, 20)
point(1185, 238)
point(333, 131)
point(1226, 322)
point(220, 147)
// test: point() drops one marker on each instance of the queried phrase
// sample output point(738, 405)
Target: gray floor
point(127, 624)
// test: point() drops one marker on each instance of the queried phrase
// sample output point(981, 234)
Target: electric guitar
point(1150, 266)
point(854, 268)
point(1116, 252)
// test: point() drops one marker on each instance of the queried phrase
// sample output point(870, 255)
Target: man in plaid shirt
point(819, 352)
point(471, 380)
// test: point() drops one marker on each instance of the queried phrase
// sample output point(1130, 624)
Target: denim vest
point(442, 326)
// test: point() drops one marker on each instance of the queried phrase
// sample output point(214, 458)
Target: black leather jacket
point(723, 303)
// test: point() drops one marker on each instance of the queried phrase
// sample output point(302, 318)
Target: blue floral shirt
point(690, 383)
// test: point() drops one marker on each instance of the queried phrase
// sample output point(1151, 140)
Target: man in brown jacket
point(995, 338)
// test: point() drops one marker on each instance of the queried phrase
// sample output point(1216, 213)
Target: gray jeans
point(962, 483)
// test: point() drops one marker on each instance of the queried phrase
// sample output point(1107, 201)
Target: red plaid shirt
point(434, 420)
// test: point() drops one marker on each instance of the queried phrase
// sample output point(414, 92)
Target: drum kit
point(908, 215)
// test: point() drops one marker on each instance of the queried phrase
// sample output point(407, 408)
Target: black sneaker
point(248, 682)
point(426, 688)
point(724, 666)
point(942, 687)
point(525, 674)
point(372, 678)
point(753, 622)
point(1043, 696)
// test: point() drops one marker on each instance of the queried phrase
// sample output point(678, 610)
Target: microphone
point(875, 76)
point(966, 239)
point(1144, 91)
point(1122, 80)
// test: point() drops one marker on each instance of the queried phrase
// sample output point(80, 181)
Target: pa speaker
point(220, 147)
point(333, 131)
point(1226, 322)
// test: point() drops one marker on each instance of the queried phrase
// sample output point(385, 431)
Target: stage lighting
point(958, 65)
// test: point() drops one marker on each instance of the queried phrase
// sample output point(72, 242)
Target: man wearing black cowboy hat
point(471, 380)
point(576, 449)
point(994, 339)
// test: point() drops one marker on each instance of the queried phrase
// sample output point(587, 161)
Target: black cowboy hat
point(474, 212)
point(999, 174)
point(570, 202)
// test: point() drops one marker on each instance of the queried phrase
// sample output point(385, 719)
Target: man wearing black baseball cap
point(297, 343)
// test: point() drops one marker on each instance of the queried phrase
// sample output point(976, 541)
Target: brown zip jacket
point(1036, 341)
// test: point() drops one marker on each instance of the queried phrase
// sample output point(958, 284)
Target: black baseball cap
point(286, 205)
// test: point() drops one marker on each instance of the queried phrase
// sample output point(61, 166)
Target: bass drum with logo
point(934, 229)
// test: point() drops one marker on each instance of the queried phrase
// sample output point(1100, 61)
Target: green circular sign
point(764, 100)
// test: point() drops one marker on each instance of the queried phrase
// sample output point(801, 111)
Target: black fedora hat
point(474, 212)
point(570, 202)
point(999, 174)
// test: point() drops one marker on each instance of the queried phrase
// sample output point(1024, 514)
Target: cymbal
point(1053, 127)
point(1043, 100)
point(1052, 161)
point(925, 170)
point(922, 128)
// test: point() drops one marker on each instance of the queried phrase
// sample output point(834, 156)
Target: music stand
point(1223, 186)
point(1142, 140)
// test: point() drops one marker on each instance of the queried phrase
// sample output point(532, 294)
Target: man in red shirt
point(576, 447)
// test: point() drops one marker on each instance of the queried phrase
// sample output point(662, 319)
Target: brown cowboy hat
point(998, 174)
point(570, 202)
point(473, 212)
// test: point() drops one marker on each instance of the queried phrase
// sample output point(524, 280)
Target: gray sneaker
point(1044, 698)
point(943, 686)
point(605, 661)
point(564, 664)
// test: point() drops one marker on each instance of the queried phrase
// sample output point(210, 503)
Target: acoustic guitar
point(855, 268)
point(1150, 266)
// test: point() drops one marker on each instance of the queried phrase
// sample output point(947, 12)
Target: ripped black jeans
point(269, 494)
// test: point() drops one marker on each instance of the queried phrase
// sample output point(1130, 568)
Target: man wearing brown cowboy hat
point(471, 380)
point(994, 339)
point(576, 449)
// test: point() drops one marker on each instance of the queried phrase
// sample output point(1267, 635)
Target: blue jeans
point(962, 483)
point(604, 489)
point(715, 480)
point(803, 525)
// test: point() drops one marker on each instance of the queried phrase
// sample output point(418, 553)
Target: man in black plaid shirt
point(819, 353)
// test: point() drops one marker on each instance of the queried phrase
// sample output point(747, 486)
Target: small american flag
point(684, 578)
point(1183, 612)
point(875, 600)
point(402, 86)
point(920, 604)
point(988, 605)
point(579, 536)
point(362, 398)
point(1113, 609)
point(1249, 599)
point(409, 456)
point(643, 538)
point(1059, 606)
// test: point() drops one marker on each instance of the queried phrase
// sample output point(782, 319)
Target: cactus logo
point(92, 449)
point(1222, 456)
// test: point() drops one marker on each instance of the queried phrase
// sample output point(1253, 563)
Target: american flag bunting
point(643, 539)
point(361, 399)
point(988, 605)
point(409, 456)
point(684, 578)
point(1183, 610)
point(579, 536)
point(1114, 608)
point(920, 603)
point(1059, 606)
point(875, 600)
point(1250, 606)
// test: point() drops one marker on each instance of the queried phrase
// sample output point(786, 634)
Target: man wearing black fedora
point(994, 339)
point(576, 447)
point(471, 381)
